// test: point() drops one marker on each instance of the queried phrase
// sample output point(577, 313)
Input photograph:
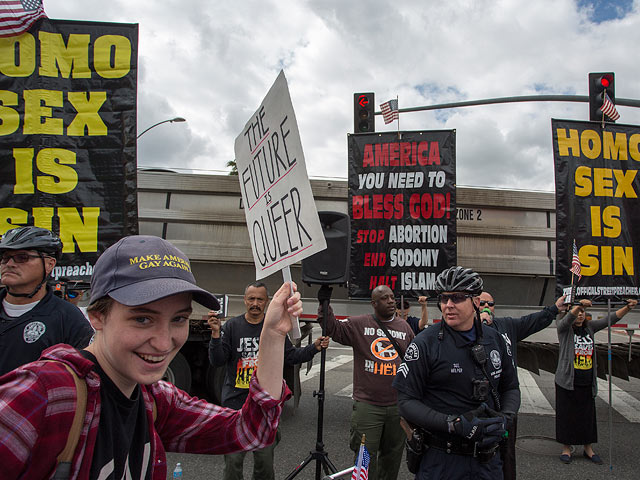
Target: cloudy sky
point(212, 62)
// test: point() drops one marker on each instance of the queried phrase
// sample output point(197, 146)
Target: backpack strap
point(78, 419)
point(154, 409)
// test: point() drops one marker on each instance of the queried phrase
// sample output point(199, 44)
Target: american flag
point(389, 110)
point(608, 108)
point(361, 470)
point(575, 262)
point(17, 16)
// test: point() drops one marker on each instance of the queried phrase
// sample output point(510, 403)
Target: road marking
point(346, 391)
point(623, 403)
point(328, 365)
point(337, 346)
point(532, 398)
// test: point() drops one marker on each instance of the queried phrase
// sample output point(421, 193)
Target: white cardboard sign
point(278, 202)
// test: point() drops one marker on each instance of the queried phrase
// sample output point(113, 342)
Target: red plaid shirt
point(37, 404)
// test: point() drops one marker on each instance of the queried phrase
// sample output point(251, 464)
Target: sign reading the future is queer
point(281, 213)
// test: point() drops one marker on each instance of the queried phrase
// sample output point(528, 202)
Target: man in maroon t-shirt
point(375, 362)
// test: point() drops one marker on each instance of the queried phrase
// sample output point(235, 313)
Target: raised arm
point(601, 323)
point(277, 322)
point(218, 351)
point(621, 312)
point(424, 315)
point(534, 322)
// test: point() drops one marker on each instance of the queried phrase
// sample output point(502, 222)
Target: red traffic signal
point(601, 84)
point(363, 113)
point(606, 80)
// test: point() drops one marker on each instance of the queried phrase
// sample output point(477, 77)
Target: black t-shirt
point(583, 356)
point(122, 444)
point(237, 348)
point(414, 323)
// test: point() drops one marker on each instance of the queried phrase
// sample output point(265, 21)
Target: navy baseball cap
point(141, 269)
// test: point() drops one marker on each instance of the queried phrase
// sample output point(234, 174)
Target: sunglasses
point(18, 258)
point(72, 294)
point(484, 302)
point(454, 297)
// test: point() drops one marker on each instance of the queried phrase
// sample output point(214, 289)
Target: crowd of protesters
point(86, 399)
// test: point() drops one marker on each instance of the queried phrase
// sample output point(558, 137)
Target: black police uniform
point(513, 330)
point(439, 371)
point(51, 321)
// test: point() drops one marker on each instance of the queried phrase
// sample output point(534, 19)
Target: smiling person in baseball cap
point(141, 294)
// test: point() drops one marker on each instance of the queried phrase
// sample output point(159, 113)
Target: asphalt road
point(537, 451)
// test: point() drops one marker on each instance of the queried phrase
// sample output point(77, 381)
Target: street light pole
point(170, 120)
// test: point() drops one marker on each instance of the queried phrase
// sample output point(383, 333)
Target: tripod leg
point(300, 467)
point(328, 466)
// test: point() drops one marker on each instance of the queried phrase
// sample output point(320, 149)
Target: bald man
point(375, 361)
point(513, 330)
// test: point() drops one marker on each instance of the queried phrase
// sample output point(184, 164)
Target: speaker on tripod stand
point(330, 266)
point(325, 268)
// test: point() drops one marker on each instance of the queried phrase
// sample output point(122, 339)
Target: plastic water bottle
point(177, 472)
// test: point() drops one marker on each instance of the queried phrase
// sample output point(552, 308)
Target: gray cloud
point(213, 62)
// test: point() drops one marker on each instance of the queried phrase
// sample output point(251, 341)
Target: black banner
point(597, 204)
point(68, 130)
point(402, 207)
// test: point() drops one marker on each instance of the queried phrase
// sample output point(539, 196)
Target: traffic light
point(598, 84)
point(363, 113)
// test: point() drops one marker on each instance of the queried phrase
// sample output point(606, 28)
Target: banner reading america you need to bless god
point(68, 136)
point(597, 204)
point(278, 202)
point(402, 207)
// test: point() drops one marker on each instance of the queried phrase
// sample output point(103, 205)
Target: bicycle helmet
point(38, 239)
point(459, 279)
point(32, 238)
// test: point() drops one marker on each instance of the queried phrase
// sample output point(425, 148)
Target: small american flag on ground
point(575, 262)
point(17, 16)
point(389, 110)
point(609, 108)
point(361, 471)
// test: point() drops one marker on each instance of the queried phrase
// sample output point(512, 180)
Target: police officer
point(458, 384)
point(32, 318)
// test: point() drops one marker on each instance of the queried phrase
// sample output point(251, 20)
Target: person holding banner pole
point(379, 341)
point(236, 345)
point(576, 378)
point(513, 330)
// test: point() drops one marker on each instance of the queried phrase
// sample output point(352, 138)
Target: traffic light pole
point(628, 102)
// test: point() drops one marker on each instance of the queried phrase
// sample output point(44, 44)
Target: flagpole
point(610, 385)
point(573, 292)
point(604, 92)
point(360, 459)
point(398, 105)
point(358, 469)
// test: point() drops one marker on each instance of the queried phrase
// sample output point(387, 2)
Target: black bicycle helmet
point(32, 238)
point(459, 279)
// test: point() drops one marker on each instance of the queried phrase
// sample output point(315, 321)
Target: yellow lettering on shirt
point(244, 371)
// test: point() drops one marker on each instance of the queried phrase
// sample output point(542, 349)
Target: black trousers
point(508, 452)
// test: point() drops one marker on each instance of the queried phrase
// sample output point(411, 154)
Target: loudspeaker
point(330, 266)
